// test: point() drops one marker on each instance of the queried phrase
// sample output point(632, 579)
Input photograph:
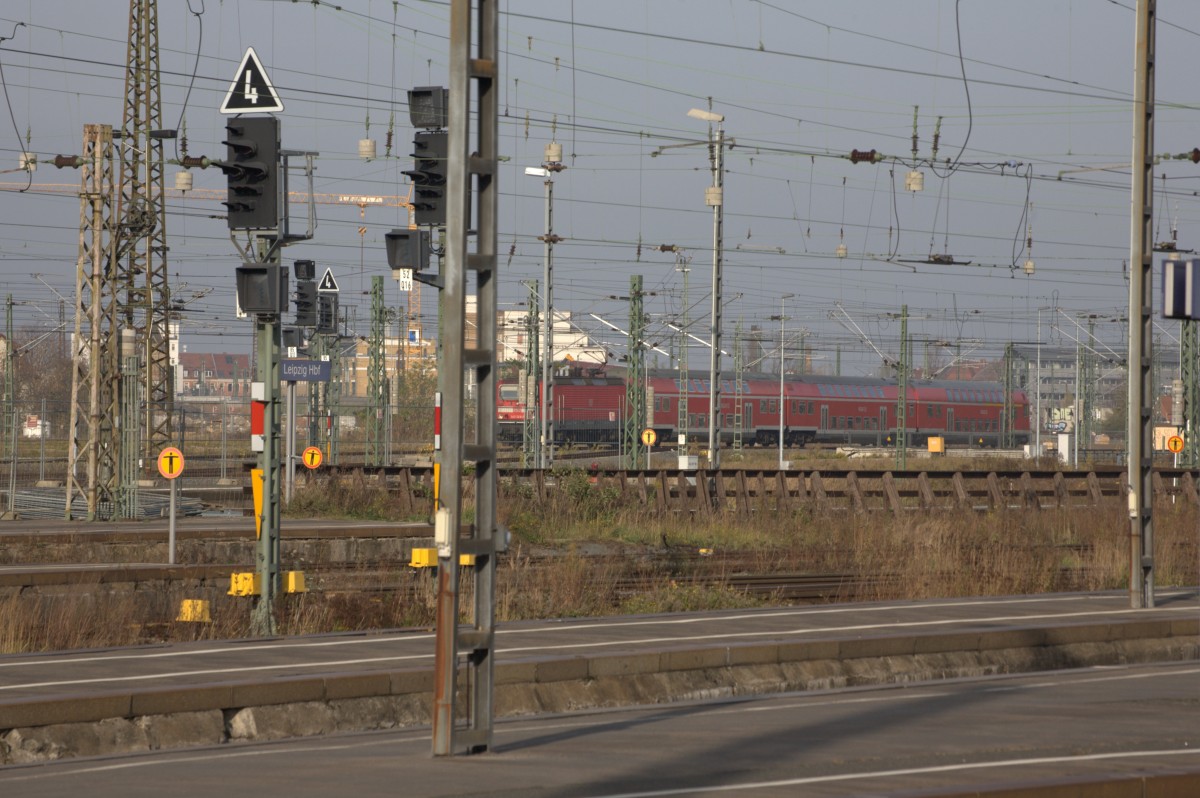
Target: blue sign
point(304, 370)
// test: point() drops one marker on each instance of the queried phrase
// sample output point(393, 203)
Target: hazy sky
point(1032, 141)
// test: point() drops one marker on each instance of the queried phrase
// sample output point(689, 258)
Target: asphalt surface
point(94, 672)
point(1113, 722)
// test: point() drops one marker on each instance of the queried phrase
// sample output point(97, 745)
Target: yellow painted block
point(293, 582)
point(256, 488)
point(466, 559)
point(706, 552)
point(937, 445)
point(194, 611)
point(423, 558)
point(244, 584)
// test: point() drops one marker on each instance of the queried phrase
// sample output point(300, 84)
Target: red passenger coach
point(589, 406)
point(822, 409)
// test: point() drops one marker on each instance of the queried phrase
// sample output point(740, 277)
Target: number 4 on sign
point(251, 89)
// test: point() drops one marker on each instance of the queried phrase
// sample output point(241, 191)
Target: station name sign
point(304, 370)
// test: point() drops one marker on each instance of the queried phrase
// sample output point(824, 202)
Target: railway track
point(742, 491)
point(49, 581)
point(632, 573)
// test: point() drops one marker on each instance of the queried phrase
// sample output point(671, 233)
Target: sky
point(1031, 101)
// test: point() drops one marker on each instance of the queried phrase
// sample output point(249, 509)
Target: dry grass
point(584, 553)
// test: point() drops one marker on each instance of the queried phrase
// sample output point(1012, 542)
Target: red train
point(590, 406)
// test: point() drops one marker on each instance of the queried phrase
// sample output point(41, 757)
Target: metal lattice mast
point(376, 376)
point(1009, 413)
point(1189, 372)
point(635, 385)
point(317, 349)
point(91, 456)
point(531, 442)
point(739, 368)
point(332, 400)
point(144, 302)
point(130, 434)
point(1087, 391)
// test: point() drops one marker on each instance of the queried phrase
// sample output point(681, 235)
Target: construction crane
point(363, 201)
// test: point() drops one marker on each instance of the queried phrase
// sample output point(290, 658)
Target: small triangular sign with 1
point(328, 284)
point(251, 89)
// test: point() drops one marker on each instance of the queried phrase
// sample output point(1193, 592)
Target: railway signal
point(252, 173)
point(429, 177)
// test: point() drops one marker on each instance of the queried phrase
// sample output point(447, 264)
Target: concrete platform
point(148, 698)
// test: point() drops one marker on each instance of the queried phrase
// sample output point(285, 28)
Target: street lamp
point(552, 164)
point(782, 319)
point(713, 198)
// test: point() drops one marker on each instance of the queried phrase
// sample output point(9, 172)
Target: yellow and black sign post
point(312, 457)
point(170, 465)
point(649, 438)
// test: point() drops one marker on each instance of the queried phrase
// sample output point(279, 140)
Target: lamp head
point(707, 116)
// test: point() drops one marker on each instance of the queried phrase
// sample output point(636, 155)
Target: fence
point(213, 432)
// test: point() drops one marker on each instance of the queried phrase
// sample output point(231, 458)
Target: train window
point(509, 393)
point(762, 405)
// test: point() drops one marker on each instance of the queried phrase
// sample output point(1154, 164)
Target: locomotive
point(591, 405)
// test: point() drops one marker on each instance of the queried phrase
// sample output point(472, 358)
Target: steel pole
point(174, 491)
point(783, 299)
point(717, 200)
point(1038, 399)
point(1139, 433)
point(548, 327)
